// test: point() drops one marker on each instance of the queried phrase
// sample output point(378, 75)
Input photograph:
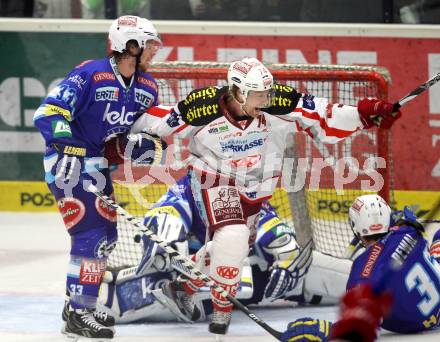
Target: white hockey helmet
point(130, 27)
point(369, 215)
point(249, 74)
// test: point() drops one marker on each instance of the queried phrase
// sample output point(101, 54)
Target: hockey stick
point(429, 221)
point(185, 261)
point(420, 89)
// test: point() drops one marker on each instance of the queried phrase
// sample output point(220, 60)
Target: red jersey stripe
point(158, 112)
point(329, 131)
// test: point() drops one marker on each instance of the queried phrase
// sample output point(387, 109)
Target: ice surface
point(33, 261)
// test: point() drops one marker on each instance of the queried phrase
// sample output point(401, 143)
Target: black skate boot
point(220, 322)
point(101, 317)
point(81, 323)
point(173, 296)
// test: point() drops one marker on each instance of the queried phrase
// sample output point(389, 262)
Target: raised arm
point(326, 121)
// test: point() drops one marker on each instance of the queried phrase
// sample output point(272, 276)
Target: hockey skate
point(101, 317)
point(220, 323)
point(81, 325)
point(173, 296)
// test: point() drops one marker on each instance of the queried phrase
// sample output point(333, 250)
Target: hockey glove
point(280, 282)
point(307, 329)
point(142, 149)
point(375, 112)
point(70, 160)
point(434, 250)
point(283, 280)
point(168, 228)
point(406, 217)
point(361, 314)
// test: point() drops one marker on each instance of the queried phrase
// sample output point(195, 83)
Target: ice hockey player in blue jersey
point(415, 286)
point(393, 284)
point(94, 105)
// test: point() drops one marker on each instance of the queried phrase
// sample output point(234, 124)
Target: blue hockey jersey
point(415, 286)
point(93, 104)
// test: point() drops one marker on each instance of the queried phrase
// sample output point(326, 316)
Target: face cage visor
point(269, 97)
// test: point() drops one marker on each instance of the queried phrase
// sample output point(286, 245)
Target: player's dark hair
point(374, 237)
point(231, 94)
point(126, 53)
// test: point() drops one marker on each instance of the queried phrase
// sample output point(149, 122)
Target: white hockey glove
point(289, 271)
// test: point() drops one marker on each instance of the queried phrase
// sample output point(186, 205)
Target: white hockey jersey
point(249, 151)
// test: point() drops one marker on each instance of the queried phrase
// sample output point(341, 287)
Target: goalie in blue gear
point(276, 269)
point(288, 264)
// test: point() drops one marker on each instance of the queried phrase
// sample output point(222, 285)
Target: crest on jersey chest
point(120, 118)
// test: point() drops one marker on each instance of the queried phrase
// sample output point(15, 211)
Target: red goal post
point(322, 211)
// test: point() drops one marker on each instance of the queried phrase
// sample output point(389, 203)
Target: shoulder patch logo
point(204, 93)
point(149, 83)
point(201, 106)
point(103, 76)
point(61, 128)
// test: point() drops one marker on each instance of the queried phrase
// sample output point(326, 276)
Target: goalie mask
point(249, 74)
point(129, 27)
point(369, 215)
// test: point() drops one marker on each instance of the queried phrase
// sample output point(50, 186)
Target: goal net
point(333, 174)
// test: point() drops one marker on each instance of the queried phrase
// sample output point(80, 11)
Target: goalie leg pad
point(130, 298)
point(327, 277)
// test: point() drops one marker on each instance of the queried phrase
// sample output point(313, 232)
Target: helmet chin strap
point(243, 110)
point(242, 107)
point(138, 59)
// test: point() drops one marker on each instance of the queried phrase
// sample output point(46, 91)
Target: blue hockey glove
point(307, 329)
point(287, 278)
point(142, 149)
point(280, 282)
point(406, 216)
point(434, 250)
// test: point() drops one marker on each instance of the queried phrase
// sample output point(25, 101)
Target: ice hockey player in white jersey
point(237, 136)
point(275, 269)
